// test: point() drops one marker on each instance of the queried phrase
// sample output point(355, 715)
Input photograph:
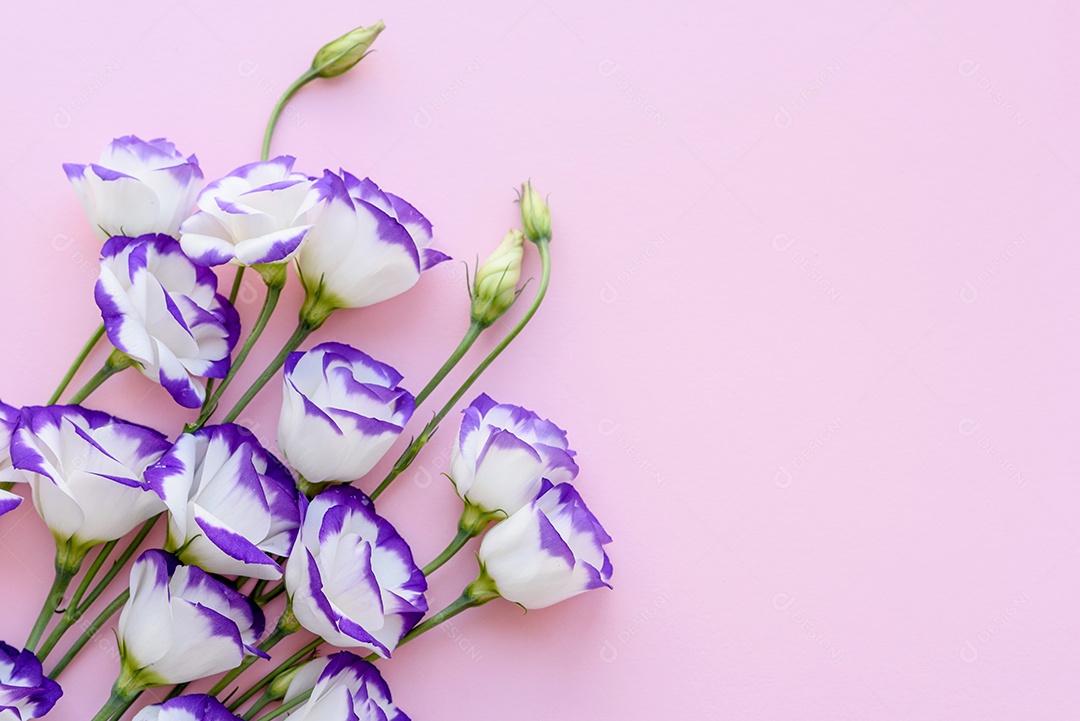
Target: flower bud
point(338, 56)
point(280, 685)
point(535, 215)
point(496, 280)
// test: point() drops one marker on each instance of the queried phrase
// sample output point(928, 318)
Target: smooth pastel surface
point(811, 328)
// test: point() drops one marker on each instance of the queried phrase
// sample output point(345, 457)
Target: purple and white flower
point(351, 578)
point(343, 687)
point(9, 417)
point(503, 454)
point(197, 707)
point(340, 412)
point(25, 691)
point(181, 624)
point(367, 245)
point(85, 471)
point(138, 187)
point(164, 311)
point(231, 503)
point(256, 214)
point(550, 550)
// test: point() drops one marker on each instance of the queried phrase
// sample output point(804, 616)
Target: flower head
point(181, 624)
point(503, 454)
point(231, 503)
point(338, 56)
point(138, 187)
point(25, 691)
point(164, 312)
point(367, 245)
point(196, 707)
point(85, 471)
point(343, 687)
point(256, 214)
point(495, 285)
point(535, 214)
point(351, 578)
point(550, 550)
point(341, 411)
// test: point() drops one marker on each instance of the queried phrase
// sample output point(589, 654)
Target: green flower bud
point(339, 55)
point(495, 284)
point(281, 682)
point(535, 215)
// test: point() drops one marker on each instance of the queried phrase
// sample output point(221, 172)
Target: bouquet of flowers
point(292, 531)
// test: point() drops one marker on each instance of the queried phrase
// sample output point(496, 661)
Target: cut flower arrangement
point(249, 535)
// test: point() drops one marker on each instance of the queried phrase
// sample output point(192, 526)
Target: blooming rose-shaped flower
point(85, 472)
point(340, 412)
point(25, 691)
point(138, 187)
point(504, 452)
point(255, 214)
point(366, 246)
point(181, 624)
point(351, 578)
point(197, 707)
point(550, 550)
point(164, 311)
point(343, 687)
point(230, 502)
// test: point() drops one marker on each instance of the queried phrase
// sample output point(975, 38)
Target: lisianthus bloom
point(231, 503)
point(197, 707)
point(495, 284)
point(504, 452)
point(85, 470)
point(25, 691)
point(550, 550)
point(351, 578)
point(9, 418)
point(181, 624)
point(367, 245)
point(341, 411)
point(138, 187)
point(256, 214)
point(343, 687)
point(164, 312)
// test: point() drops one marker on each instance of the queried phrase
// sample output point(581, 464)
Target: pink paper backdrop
point(811, 328)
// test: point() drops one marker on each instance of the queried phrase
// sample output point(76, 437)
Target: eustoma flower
point(367, 245)
point(164, 311)
point(256, 214)
point(351, 578)
point(138, 187)
point(343, 687)
point(550, 550)
point(503, 454)
point(25, 692)
point(341, 411)
point(231, 503)
point(85, 471)
point(9, 416)
point(180, 624)
point(197, 707)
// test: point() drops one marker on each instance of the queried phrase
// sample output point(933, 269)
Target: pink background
point(811, 328)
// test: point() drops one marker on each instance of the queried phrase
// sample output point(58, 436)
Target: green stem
point(410, 453)
point(269, 678)
point(282, 709)
point(273, 293)
point(118, 565)
point(238, 281)
point(67, 565)
point(475, 594)
point(259, 705)
point(474, 331)
point(271, 124)
point(90, 631)
point(472, 524)
point(76, 364)
point(303, 330)
point(116, 362)
point(71, 613)
point(271, 594)
point(272, 640)
point(119, 701)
